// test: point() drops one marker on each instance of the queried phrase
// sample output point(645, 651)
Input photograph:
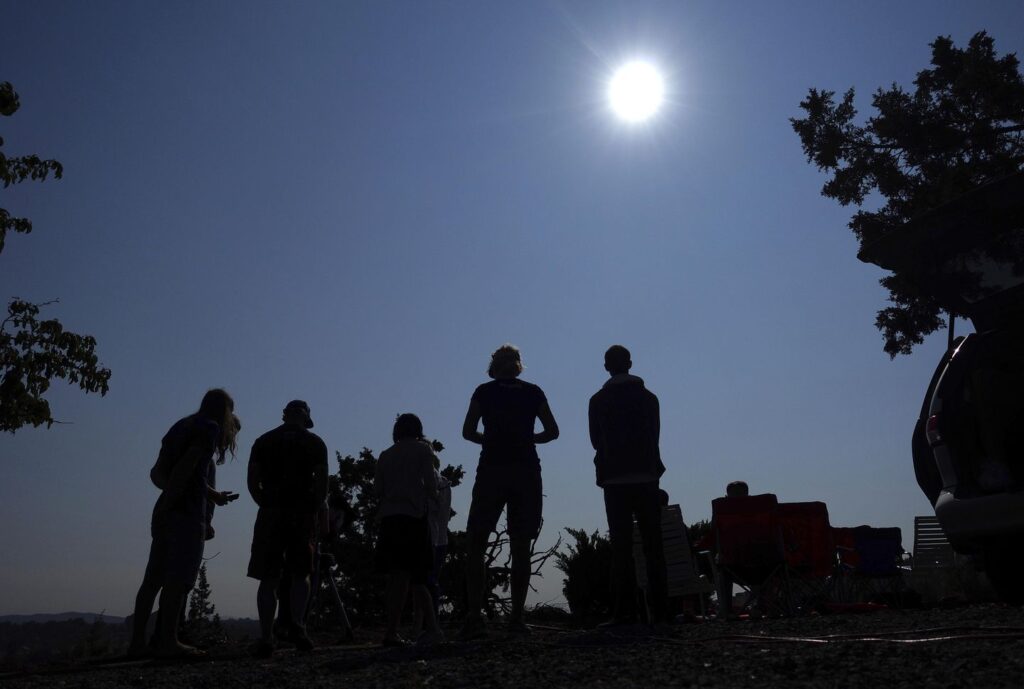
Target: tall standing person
point(508, 475)
point(625, 426)
point(184, 473)
point(288, 480)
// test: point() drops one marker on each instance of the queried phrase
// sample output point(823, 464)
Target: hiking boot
point(475, 627)
point(300, 639)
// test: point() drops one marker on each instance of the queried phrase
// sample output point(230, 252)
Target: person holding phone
point(179, 526)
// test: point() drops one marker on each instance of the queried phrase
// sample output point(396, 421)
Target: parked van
point(968, 443)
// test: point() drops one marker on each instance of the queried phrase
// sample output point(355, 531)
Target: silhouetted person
point(439, 513)
point(405, 484)
point(211, 481)
point(508, 475)
point(625, 427)
point(735, 489)
point(288, 480)
point(179, 526)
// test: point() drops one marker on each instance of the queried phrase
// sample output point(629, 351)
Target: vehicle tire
point(1004, 566)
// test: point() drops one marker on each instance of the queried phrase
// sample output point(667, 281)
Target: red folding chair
point(810, 552)
point(749, 551)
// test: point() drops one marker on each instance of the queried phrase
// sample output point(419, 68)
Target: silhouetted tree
point(202, 624)
point(200, 607)
point(962, 126)
point(32, 351)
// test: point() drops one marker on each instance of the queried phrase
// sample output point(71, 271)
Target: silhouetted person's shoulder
point(622, 387)
point(291, 432)
point(502, 386)
point(191, 430)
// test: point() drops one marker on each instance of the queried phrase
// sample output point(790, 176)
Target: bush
point(587, 568)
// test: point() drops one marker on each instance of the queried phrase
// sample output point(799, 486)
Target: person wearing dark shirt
point(181, 517)
point(625, 427)
point(508, 476)
point(288, 480)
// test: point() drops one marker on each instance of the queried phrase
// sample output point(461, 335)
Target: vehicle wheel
point(1004, 566)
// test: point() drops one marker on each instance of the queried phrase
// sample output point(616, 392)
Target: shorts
point(513, 485)
point(403, 545)
point(177, 551)
point(282, 541)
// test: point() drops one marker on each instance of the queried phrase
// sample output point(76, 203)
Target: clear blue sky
point(355, 203)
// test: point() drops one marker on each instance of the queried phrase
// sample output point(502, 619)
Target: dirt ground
point(977, 646)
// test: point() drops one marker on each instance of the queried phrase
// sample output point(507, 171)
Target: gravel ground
point(979, 646)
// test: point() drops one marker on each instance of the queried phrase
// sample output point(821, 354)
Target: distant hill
point(61, 617)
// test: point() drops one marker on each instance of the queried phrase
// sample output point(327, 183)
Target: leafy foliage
point(18, 169)
point(587, 567)
point(32, 351)
point(962, 126)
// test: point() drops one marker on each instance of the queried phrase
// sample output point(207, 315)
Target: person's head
point(407, 427)
point(617, 360)
point(737, 489)
point(506, 362)
point(663, 497)
point(217, 406)
point(297, 413)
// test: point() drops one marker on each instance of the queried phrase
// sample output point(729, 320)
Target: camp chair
point(810, 552)
point(869, 560)
point(931, 548)
point(681, 573)
point(749, 550)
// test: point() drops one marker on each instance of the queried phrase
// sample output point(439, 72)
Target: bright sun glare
point(636, 91)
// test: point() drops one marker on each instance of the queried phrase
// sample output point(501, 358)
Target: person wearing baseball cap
point(288, 480)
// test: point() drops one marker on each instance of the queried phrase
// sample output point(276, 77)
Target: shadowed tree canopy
point(962, 126)
point(32, 351)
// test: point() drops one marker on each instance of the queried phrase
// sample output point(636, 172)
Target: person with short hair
point(734, 489)
point(180, 524)
point(288, 481)
point(737, 489)
point(405, 483)
point(625, 428)
point(508, 475)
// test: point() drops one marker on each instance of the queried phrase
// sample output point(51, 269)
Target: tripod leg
point(341, 608)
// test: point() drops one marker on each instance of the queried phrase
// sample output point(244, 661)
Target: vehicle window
point(988, 269)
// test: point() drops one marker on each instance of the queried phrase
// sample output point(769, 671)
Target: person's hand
point(224, 497)
point(210, 532)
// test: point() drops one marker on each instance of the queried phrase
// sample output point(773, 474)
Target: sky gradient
point(355, 203)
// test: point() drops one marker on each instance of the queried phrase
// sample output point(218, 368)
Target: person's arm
point(656, 419)
point(378, 478)
point(427, 474)
point(547, 420)
point(320, 476)
point(159, 476)
point(254, 476)
point(595, 433)
point(469, 426)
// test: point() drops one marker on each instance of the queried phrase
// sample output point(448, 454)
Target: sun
point(636, 91)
